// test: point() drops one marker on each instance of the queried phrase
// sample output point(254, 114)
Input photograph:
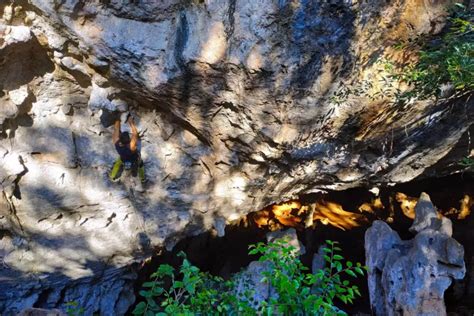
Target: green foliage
point(467, 162)
point(445, 66)
point(448, 60)
point(298, 292)
point(73, 309)
point(301, 293)
point(194, 292)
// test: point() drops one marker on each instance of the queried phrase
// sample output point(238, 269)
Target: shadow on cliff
point(316, 35)
point(20, 64)
point(392, 133)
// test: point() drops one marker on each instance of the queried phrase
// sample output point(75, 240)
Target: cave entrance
point(226, 255)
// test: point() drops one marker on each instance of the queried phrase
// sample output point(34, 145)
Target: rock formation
point(240, 104)
point(410, 277)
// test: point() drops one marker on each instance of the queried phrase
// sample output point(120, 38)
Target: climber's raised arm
point(116, 133)
point(134, 138)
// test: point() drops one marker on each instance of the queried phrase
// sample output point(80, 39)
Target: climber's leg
point(141, 171)
point(116, 170)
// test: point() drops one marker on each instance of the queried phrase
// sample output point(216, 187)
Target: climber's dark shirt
point(126, 154)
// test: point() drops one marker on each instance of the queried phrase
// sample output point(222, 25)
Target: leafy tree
point(448, 60)
point(444, 67)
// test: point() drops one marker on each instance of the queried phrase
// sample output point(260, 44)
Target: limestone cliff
point(240, 104)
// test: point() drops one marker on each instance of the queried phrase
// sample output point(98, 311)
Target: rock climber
point(128, 149)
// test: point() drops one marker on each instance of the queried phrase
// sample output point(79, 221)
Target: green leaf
point(253, 252)
point(344, 299)
point(145, 293)
point(149, 313)
point(356, 290)
point(165, 269)
point(148, 284)
point(350, 292)
point(157, 291)
point(139, 309)
point(359, 270)
point(151, 303)
point(351, 273)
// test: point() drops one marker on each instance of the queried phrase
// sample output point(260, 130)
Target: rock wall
point(238, 103)
point(410, 277)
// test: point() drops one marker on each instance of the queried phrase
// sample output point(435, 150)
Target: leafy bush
point(297, 291)
point(195, 292)
point(444, 68)
point(306, 293)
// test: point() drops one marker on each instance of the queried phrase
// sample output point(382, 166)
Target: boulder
point(410, 277)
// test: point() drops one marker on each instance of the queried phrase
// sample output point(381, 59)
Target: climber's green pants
point(137, 167)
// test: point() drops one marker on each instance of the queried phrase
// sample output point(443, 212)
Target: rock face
point(410, 277)
point(240, 104)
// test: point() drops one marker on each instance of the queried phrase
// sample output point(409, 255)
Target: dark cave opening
point(226, 255)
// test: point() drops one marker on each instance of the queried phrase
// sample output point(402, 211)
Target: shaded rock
point(112, 293)
point(426, 216)
point(290, 236)
point(250, 280)
point(318, 262)
point(41, 312)
point(410, 277)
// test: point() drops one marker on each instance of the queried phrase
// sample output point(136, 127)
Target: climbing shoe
point(114, 180)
